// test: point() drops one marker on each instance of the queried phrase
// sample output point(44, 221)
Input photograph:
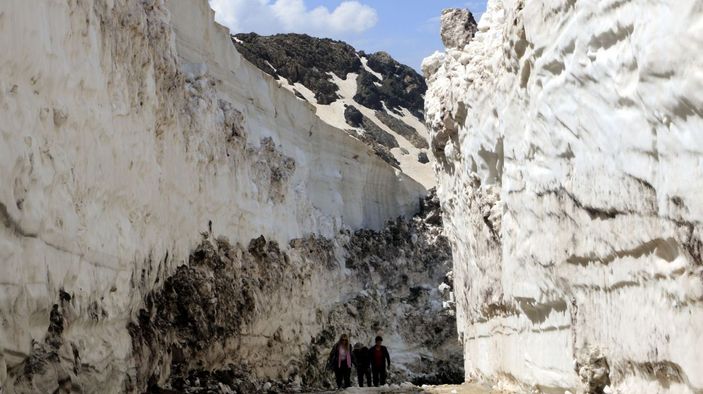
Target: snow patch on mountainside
point(333, 114)
point(333, 77)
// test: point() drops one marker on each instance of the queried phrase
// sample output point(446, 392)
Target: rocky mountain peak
point(401, 86)
point(309, 60)
point(300, 58)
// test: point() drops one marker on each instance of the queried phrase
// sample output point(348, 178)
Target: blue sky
point(407, 29)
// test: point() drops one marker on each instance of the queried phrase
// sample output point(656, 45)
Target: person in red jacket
point(380, 360)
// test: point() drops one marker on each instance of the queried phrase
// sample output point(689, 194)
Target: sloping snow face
point(127, 129)
point(570, 153)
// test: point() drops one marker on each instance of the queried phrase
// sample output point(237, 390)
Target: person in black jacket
point(340, 361)
point(380, 360)
point(363, 364)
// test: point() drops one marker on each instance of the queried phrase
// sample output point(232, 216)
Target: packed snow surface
point(570, 156)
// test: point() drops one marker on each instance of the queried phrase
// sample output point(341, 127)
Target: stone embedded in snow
point(567, 135)
point(594, 371)
point(458, 27)
point(444, 288)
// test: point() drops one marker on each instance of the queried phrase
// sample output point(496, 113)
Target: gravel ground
point(410, 389)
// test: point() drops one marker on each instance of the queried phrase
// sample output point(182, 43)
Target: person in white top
point(340, 361)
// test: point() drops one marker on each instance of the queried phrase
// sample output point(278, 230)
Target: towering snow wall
point(568, 135)
point(131, 133)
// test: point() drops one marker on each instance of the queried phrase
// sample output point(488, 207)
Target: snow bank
point(128, 128)
point(570, 159)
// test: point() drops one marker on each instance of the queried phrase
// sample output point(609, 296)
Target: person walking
point(362, 361)
point(340, 361)
point(380, 360)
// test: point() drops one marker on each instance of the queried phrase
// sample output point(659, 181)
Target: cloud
point(287, 16)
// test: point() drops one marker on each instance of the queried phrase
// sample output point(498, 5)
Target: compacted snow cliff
point(570, 156)
point(171, 217)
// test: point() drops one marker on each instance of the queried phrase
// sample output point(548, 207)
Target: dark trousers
point(360, 373)
point(379, 376)
point(343, 376)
